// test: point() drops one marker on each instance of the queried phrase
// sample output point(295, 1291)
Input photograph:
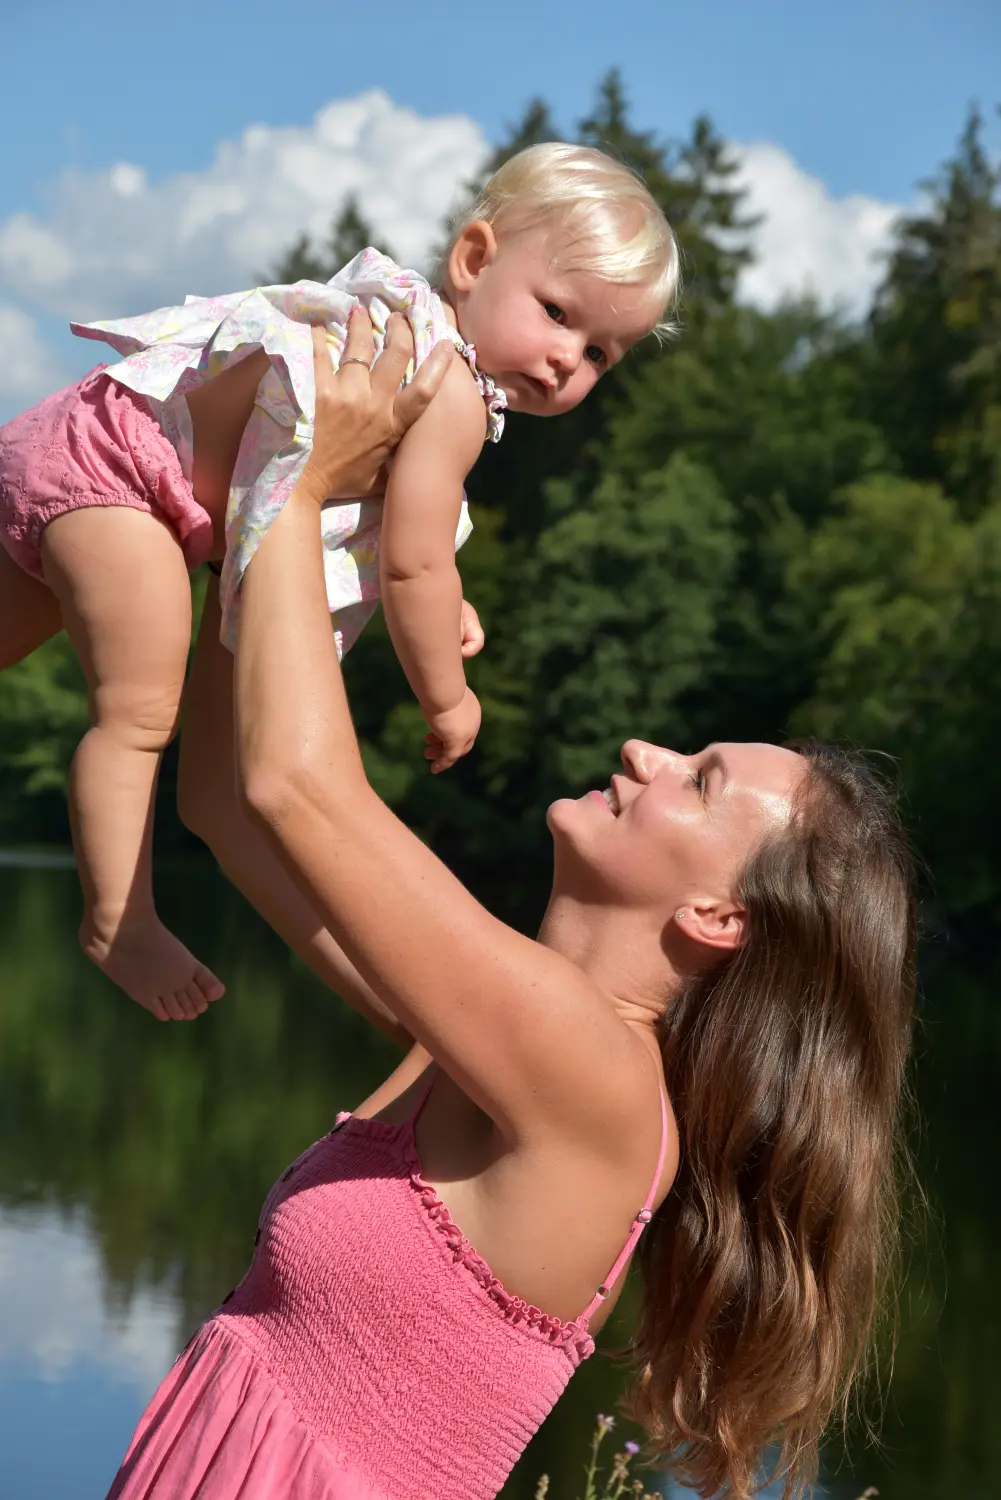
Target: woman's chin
point(559, 813)
point(567, 814)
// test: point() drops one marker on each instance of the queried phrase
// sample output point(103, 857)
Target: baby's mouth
point(538, 387)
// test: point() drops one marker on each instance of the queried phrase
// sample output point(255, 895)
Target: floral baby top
point(170, 352)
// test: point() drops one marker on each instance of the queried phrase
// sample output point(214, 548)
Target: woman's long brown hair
point(763, 1271)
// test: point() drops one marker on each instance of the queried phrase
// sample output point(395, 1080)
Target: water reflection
point(73, 1361)
point(134, 1157)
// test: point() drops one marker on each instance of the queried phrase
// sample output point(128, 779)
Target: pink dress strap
point(425, 1094)
point(640, 1222)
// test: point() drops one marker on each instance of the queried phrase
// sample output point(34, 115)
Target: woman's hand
point(361, 412)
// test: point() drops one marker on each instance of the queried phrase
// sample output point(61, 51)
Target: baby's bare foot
point(152, 966)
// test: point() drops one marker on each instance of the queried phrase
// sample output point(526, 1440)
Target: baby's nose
point(566, 356)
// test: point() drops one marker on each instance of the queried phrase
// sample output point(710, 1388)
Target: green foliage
point(43, 713)
point(621, 596)
point(908, 653)
point(936, 367)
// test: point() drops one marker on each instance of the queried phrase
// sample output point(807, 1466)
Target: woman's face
point(673, 830)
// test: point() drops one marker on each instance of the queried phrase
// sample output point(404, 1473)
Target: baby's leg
point(121, 581)
point(209, 805)
point(29, 612)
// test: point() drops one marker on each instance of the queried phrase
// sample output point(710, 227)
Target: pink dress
point(368, 1353)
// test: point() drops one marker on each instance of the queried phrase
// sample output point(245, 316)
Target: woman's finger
point(397, 353)
point(360, 341)
point(418, 395)
point(323, 370)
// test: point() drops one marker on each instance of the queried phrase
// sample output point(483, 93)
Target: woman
point(702, 1053)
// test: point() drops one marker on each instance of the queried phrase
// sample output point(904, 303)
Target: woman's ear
point(474, 249)
point(713, 924)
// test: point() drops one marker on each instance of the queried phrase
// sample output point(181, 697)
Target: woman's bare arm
point(522, 1030)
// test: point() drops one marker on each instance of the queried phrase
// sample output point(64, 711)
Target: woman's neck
point(621, 951)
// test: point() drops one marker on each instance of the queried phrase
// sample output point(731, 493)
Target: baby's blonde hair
point(606, 218)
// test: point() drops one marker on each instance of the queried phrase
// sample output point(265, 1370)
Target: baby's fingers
point(438, 753)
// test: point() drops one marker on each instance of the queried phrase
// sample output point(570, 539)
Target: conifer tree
point(350, 232)
point(936, 375)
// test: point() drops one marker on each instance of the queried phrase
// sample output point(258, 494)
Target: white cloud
point(809, 241)
point(28, 368)
point(56, 1310)
point(114, 243)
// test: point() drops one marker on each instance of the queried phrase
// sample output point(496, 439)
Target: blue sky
point(838, 111)
point(866, 95)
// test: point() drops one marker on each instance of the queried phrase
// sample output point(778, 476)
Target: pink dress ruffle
point(219, 1428)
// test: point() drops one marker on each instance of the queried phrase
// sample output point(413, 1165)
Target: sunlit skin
point(545, 335)
point(646, 869)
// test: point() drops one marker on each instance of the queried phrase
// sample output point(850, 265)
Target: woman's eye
point(595, 355)
point(698, 780)
point(556, 313)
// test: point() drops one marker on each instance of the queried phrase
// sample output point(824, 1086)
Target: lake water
point(134, 1158)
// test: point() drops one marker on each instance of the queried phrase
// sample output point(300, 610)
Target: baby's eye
point(595, 355)
point(556, 313)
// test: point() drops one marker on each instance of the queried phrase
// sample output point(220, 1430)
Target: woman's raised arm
point(521, 1029)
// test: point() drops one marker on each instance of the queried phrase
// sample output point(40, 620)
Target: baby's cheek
point(578, 389)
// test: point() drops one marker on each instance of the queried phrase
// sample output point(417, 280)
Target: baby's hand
point(453, 732)
point(473, 639)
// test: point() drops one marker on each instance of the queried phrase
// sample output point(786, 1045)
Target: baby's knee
point(139, 717)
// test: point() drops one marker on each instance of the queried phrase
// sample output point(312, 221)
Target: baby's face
point(544, 334)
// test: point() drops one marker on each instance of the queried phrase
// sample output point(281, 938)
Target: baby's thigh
point(29, 612)
point(123, 587)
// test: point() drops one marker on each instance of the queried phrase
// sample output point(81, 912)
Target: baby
point(111, 490)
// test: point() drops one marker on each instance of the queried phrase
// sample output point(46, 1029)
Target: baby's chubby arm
point(421, 590)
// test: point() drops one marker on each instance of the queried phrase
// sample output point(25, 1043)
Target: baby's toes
point(207, 984)
point(196, 1002)
point(173, 1005)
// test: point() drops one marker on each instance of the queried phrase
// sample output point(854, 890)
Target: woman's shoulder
point(638, 1107)
point(610, 1106)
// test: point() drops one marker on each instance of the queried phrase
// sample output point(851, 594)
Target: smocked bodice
point(386, 1330)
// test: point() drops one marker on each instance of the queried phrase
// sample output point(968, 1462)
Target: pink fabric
point(368, 1354)
point(93, 443)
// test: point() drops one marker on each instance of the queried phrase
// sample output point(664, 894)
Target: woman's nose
point(644, 760)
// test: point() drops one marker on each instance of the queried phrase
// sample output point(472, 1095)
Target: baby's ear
point(474, 248)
